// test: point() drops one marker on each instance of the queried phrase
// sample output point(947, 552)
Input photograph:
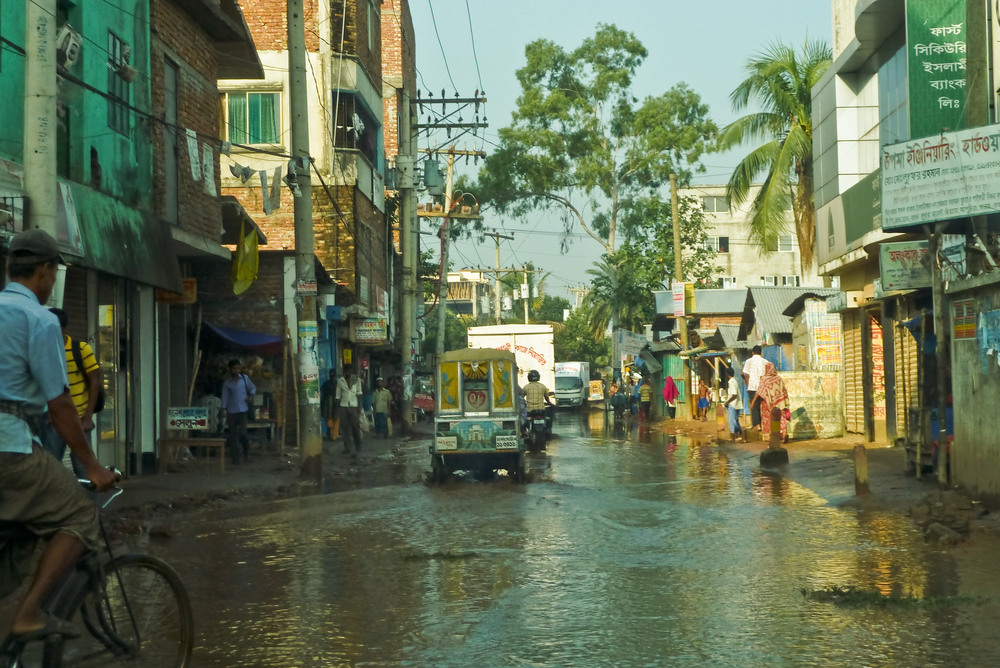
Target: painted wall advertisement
point(878, 372)
point(947, 176)
point(308, 361)
point(903, 267)
point(370, 330)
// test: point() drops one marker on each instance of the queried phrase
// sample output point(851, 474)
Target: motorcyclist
point(536, 397)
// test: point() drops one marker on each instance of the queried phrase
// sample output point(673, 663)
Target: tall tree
point(623, 281)
point(780, 83)
point(574, 342)
point(582, 144)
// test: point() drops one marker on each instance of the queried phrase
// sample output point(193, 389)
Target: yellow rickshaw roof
point(478, 355)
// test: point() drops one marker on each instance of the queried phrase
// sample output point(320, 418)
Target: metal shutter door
point(854, 401)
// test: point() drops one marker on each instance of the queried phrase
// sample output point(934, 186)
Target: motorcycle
point(539, 429)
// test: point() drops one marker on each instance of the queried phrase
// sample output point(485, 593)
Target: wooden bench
point(170, 446)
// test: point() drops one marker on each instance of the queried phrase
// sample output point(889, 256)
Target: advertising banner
point(941, 178)
point(902, 266)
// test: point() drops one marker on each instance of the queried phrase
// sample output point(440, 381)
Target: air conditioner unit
point(68, 44)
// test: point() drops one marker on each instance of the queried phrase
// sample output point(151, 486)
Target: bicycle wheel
point(150, 593)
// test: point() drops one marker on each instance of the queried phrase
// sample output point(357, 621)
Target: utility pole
point(305, 261)
point(679, 277)
point(525, 294)
point(496, 276)
point(40, 114)
point(406, 166)
point(443, 279)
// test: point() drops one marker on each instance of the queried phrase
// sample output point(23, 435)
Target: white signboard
point(187, 418)
point(941, 178)
point(630, 343)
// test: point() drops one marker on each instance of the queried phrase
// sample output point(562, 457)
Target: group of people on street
point(342, 408)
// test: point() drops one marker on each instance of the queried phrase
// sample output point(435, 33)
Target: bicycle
point(133, 608)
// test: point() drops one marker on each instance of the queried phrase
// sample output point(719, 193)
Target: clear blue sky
point(704, 44)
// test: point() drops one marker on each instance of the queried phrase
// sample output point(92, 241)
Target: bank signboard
point(947, 176)
point(936, 43)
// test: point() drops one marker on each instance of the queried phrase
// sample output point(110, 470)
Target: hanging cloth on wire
point(245, 261)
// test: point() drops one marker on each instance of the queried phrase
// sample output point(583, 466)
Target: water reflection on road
point(630, 549)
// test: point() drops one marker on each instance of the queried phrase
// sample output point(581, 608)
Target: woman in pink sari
point(770, 393)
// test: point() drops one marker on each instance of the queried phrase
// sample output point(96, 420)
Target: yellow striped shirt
point(78, 387)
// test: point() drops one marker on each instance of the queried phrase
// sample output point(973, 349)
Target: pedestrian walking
point(237, 397)
point(734, 406)
point(645, 400)
point(770, 393)
point(670, 395)
point(753, 371)
point(381, 405)
point(84, 374)
point(349, 404)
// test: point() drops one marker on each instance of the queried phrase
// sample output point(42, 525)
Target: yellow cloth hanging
point(245, 261)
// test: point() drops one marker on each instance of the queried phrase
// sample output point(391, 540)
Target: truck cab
point(572, 384)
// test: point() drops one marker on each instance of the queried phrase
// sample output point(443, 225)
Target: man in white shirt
point(753, 371)
point(349, 400)
point(734, 406)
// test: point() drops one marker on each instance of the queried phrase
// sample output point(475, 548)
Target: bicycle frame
point(88, 576)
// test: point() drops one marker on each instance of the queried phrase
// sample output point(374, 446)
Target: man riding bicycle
point(35, 489)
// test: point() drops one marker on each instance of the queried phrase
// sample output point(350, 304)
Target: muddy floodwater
point(626, 549)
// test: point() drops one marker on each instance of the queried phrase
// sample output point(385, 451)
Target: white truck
point(572, 384)
point(531, 345)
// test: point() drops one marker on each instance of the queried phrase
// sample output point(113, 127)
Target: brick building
point(192, 45)
point(355, 259)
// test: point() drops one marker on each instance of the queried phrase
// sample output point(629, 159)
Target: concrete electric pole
point(40, 120)
point(305, 262)
point(443, 281)
point(406, 168)
point(679, 278)
point(496, 236)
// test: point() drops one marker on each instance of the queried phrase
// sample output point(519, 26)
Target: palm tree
point(780, 82)
point(618, 294)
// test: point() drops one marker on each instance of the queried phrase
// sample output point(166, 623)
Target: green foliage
point(579, 134)
point(550, 309)
point(456, 333)
point(623, 281)
point(780, 82)
point(574, 341)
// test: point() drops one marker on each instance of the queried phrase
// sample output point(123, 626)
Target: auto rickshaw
point(477, 422)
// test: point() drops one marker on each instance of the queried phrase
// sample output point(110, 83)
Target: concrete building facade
point(740, 264)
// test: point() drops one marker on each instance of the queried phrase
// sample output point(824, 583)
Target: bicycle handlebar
point(89, 485)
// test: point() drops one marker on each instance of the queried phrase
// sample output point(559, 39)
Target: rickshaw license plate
point(540, 423)
point(506, 442)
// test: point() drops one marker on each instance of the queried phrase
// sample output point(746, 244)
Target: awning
point(233, 214)
point(647, 358)
point(121, 241)
point(257, 342)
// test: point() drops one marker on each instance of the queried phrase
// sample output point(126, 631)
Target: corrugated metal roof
point(719, 301)
point(730, 337)
point(765, 307)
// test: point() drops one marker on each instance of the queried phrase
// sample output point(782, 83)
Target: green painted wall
point(125, 160)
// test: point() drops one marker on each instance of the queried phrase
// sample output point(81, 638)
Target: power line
point(441, 44)
point(472, 34)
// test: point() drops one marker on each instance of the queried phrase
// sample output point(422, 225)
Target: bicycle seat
point(10, 530)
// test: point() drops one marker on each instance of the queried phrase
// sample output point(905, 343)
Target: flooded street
point(625, 550)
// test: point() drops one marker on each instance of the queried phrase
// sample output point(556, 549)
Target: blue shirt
point(32, 362)
point(235, 394)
